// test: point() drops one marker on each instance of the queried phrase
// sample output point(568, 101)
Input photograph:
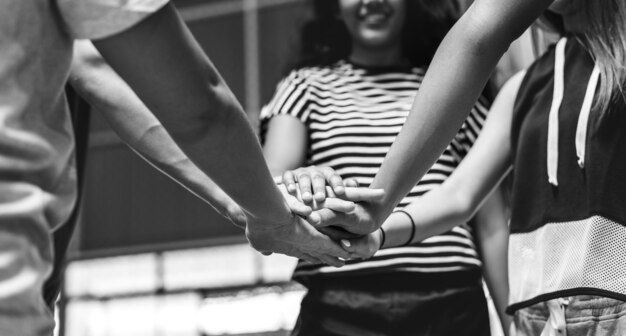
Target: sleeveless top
point(569, 194)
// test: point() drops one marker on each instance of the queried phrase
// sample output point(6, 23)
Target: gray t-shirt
point(37, 170)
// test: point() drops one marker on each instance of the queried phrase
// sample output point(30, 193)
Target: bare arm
point(455, 78)
point(169, 72)
point(456, 201)
point(492, 233)
point(101, 87)
point(285, 144)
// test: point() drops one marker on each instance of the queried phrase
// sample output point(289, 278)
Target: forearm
point(455, 78)
point(437, 212)
point(167, 69)
point(97, 83)
point(493, 236)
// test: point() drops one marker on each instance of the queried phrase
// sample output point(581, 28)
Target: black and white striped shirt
point(353, 114)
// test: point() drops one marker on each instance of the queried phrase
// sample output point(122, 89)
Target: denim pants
point(582, 315)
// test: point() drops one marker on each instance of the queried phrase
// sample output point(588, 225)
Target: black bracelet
point(412, 226)
point(382, 239)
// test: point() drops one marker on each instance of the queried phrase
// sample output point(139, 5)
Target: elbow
point(220, 114)
point(484, 34)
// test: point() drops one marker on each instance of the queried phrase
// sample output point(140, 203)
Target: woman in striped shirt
point(343, 109)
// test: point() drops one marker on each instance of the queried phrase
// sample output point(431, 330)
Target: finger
point(331, 261)
point(289, 180)
point(278, 180)
point(335, 204)
point(351, 182)
point(319, 187)
point(347, 245)
point(309, 258)
point(298, 207)
point(328, 217)
point(334, 179)
point(304, 184)
point(313, 218)
point(364, 194)
point(361, 247)
point(337, 233)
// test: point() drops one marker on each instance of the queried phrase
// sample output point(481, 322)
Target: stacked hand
point(297, 238)
point(336, 208)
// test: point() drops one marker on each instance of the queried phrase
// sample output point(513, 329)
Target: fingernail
point(306, 195)
point(340, 190)
point(320, 195)
point(346, 242)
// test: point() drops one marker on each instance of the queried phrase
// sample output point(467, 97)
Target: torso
point(353, 114)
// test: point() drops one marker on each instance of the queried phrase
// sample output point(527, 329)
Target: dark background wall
point(129, 206)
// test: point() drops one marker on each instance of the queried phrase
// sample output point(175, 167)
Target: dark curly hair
point(325, 38)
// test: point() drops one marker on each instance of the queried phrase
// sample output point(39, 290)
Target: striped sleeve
point(467, 135)
point(291, 98)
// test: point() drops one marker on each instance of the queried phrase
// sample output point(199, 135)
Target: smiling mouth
point(374, 11)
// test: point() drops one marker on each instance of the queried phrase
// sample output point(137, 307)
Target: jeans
point(582, 315)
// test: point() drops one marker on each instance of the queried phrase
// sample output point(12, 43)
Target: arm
point(457, 199)
point(492, 233)
point(285, 144)
point(101, 87)
point(170, 73)
point(457, 74)
point(168, 70)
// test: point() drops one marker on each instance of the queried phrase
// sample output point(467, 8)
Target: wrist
point(265, 223)
point(381, 238)
point(412, 227)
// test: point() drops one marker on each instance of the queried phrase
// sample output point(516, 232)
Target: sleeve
point(467, 135)
point(291, 98)
point(96, 19)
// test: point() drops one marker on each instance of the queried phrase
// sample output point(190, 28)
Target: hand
point(337, 224)
point(312, 182)
point(358, 222)
point(364, 247)
point(295, 238)
point(297, 206)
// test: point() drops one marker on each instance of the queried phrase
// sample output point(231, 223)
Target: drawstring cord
point(583, 118)
point(556, 324)
point(553, 118)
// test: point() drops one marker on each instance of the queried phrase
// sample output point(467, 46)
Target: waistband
point(395, 281)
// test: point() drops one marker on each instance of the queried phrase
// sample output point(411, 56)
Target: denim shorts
point(582, 315)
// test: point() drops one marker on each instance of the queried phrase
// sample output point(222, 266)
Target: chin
point(375, 39)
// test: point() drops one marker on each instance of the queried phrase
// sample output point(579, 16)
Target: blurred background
point(148, 258)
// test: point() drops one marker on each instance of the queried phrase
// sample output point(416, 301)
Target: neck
point(378, 56)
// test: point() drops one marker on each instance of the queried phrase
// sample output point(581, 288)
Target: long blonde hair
point(605, 39)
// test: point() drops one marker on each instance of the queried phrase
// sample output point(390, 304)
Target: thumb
point(298, 207)
point(364, 194)
point(347, 245)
